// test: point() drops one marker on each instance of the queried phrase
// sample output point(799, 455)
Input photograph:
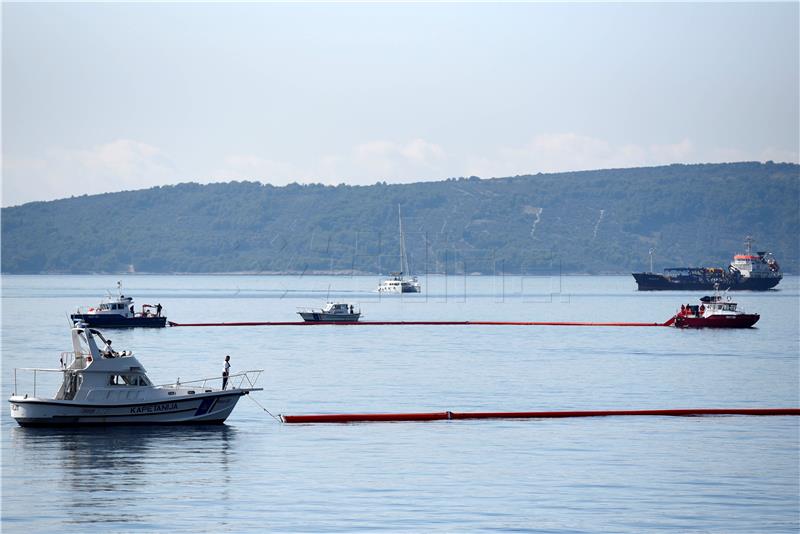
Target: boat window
point(127, 380)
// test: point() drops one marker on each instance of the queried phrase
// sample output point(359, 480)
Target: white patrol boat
point(332, 312)
point(105, 387)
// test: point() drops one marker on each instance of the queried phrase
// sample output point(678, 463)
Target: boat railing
point(35, 371)
point(244, 379)
point(66, 361)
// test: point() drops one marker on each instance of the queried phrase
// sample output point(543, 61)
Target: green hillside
point(592, 221)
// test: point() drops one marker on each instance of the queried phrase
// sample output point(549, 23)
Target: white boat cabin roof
point(337, 307)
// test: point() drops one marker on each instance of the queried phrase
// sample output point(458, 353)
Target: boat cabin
point(121, 305)
point(94, 373)
point(717, 305)
point(338, 308)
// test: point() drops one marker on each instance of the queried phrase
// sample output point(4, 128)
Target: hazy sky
point(105, 97)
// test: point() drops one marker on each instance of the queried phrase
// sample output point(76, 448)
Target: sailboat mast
point(402, 244)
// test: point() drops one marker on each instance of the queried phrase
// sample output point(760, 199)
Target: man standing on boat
point(226, 371)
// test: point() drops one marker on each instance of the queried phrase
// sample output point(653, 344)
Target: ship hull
point(404, 288)
point(317, 317)
point(197, 409)
point(745, 320)
point(659, 282)
point(118, 321)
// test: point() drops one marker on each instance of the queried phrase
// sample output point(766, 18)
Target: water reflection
point(113, 475)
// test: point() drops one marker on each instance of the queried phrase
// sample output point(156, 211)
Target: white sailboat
point(397, 283)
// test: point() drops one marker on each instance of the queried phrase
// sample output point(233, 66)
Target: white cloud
point(62, 172)
point(571, 152)
point(365, 163)
point(129, 164)
point(559, 152)
point(256, 168)
point(779, 155)
point(398, 162)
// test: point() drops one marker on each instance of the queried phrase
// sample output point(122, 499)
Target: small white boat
point(105, 387)
point(397, 283)
point(332, 312)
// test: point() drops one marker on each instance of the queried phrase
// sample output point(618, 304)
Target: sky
point(101, 97)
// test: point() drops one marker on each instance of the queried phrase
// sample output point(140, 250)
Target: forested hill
point(579, 222)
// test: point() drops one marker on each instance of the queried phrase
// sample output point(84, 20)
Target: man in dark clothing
point(226, 371)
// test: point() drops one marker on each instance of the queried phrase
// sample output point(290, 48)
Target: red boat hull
point(745, 320)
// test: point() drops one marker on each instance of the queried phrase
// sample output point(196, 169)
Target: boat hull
point(210, 408)
point(317, 317)
point(659, 282)
point(744, 320)
point(118, 321)
point(404, 288)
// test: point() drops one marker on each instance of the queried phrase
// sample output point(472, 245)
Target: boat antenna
point(652, 249)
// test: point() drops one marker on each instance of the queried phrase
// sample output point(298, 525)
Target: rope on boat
point(277, 418)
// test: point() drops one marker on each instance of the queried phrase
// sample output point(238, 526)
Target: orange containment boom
point(423, 323)
point(440, 416)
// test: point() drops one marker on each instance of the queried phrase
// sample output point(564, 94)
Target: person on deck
point(226, 371)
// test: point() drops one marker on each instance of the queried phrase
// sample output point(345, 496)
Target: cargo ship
point(749, 271)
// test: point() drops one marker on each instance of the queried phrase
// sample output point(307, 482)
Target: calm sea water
point(709, 474)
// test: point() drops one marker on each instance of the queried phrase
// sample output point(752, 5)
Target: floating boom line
point(446, 416)
point(422, 323)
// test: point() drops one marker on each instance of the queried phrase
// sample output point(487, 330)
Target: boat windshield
point(128, 380)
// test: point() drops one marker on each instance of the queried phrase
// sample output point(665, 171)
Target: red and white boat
point(714, 312)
